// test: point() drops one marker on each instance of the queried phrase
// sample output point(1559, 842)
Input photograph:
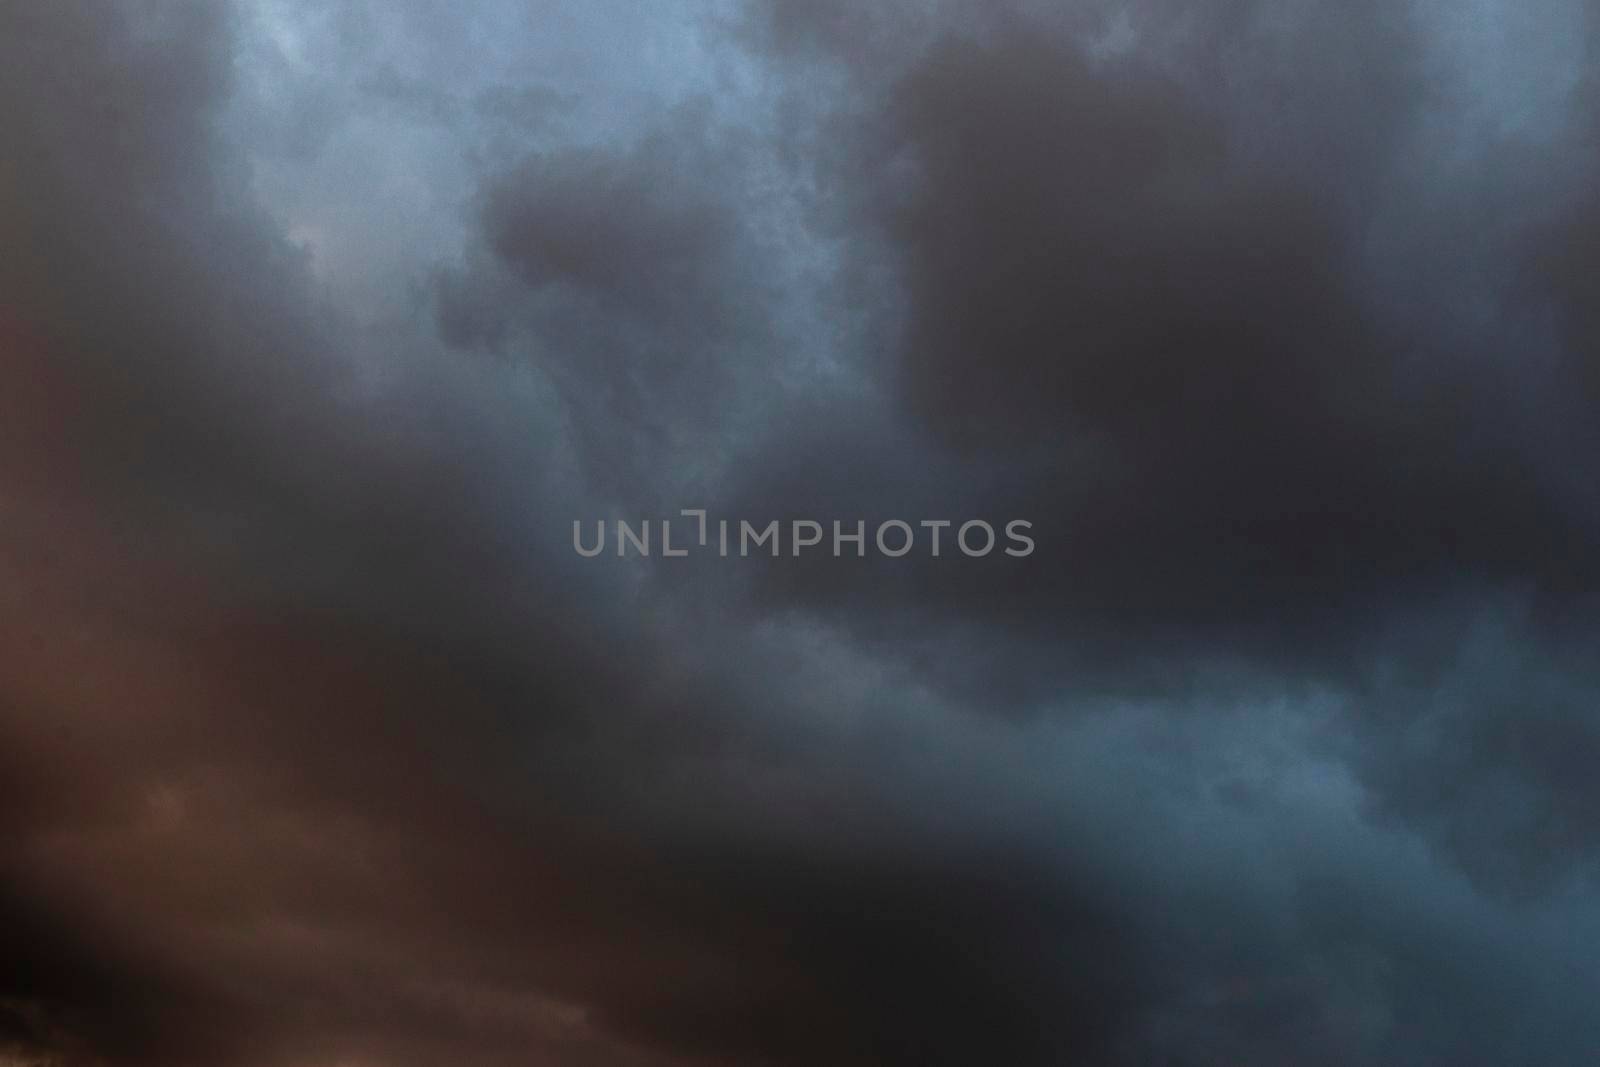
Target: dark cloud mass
point(321, 323)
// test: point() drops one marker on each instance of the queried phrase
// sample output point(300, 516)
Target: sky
point(322, 323)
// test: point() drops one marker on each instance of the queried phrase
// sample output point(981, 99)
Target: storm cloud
point(320, 324)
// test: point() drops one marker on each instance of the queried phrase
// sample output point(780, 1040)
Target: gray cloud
point(318, 744)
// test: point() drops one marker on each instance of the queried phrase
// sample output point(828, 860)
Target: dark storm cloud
point(1208, 300)
point(1153, 295)
point(176, 422)
point(321, 747)
point(355, 804)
